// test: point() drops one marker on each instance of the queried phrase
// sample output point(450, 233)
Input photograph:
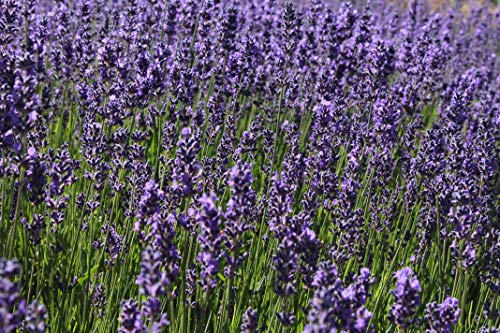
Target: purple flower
point(98, 299)
point(286, 318)
point(281, 205)
point(441, 317)
point(320, 127)
point(163, 234)
point(210, 239)
point(36, 314)
point(35, 178)
point(406, 298)
point(149, 208)
point(131, 318)
point(250, 321)
point(336, 307)
point(35, 228)
point(286, 264)
point(186, 167)
point(152, 280)
point(238, 214)
point(150, 200)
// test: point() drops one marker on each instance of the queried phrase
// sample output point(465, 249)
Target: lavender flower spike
point(406, 298)
point(442, 317)
point(210, 239)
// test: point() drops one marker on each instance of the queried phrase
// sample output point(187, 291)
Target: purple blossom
point(149, 208)
point(152, 280)
point(442, 317)
point(238, 214)
point(336, 306)
point(98, 299)
point(406, 298)
point(36, 315)
point(150, 200)
point(186, 167)
point(286, 264)
point(281, 204)
point(164, 241)
point(210, 239)
point(35, 228)
point(35, 177)
point(249, 322)
point(131, 318)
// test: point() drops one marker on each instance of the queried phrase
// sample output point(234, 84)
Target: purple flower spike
point(152, 280)
point(149, 208)
point(210, 239)
point(186, 169)
point(250, 321)
point(339, 308)
point(442, 317)
point(406, 298)
point(36, 314)
point(238, 214)
point(131, 319)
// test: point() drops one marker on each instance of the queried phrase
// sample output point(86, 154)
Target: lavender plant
point(249, 166)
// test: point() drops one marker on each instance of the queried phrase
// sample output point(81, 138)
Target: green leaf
point(222, 277)
point(84, 278)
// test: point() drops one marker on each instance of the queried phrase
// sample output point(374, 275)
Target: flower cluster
point(337, 306)
point(210, 239)
point(442, 317)
point(406, 298)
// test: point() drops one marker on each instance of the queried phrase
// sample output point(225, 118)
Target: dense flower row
point(194, 166)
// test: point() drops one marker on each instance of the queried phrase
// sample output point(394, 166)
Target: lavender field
point(249, 166)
